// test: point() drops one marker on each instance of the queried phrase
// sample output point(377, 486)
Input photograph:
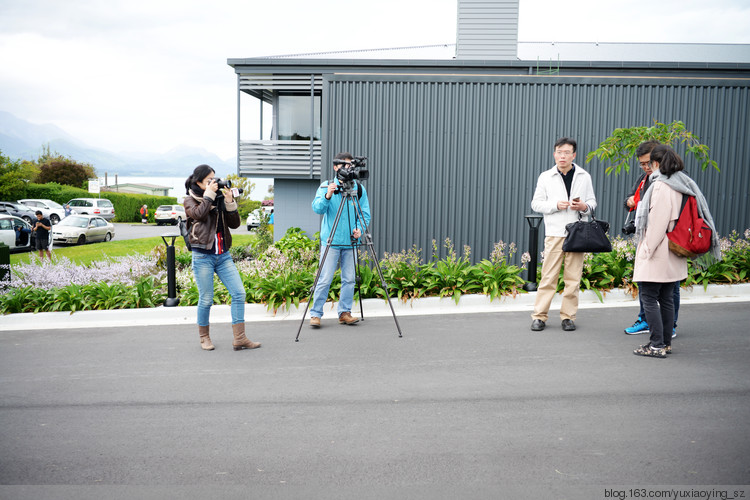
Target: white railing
point(291, 159)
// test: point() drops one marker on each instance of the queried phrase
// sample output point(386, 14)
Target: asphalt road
point(464, 406)
point(129, 231)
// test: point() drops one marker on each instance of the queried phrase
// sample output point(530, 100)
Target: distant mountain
point(22, 139)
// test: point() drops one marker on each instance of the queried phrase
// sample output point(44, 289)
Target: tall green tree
point(65, 171)
point(620, 147)
point(244, 204)
point(12, 181)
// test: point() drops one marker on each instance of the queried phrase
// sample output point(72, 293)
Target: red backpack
point(691, 235)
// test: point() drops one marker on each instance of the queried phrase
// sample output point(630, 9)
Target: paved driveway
point(463, 406)
point(128, 231)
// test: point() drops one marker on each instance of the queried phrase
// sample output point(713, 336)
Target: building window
point(294, 120)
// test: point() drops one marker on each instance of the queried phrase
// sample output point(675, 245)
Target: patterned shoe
point(647, 350)
point(640, 326)
point(668, 349)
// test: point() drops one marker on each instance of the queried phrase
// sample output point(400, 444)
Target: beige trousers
point(554, 257)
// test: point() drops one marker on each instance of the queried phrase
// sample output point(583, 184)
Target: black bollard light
point(172, 300)
point(534, 223)
point(4, 262)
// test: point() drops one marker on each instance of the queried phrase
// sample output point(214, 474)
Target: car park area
point(80, 229)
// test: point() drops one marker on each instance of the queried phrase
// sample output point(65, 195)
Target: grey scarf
point(680, 182)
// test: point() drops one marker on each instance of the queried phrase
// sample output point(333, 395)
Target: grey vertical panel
point(487, 29)
point(293, 206)
point(458, 158)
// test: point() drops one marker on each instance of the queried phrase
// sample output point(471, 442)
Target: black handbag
point(185, 234)
point(587, 236)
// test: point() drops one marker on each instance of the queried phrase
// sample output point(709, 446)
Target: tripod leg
point(371, 248)
point(358, 279)
point(320, 267)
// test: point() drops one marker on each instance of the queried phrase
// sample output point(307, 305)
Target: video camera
point(351, 170)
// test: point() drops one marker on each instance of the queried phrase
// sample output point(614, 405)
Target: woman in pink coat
point(656, 267)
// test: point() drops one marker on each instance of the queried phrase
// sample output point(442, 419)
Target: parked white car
point(50, 209)
point(169, 214)
point(82, 229)
point(253, 218)
point(25, 239)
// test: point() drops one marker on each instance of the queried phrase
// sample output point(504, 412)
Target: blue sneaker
point(674, 332)
point(638, 327)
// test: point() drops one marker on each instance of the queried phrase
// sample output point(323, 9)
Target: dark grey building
point(455, 145)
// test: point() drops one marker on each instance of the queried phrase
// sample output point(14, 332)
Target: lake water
point(176, 185)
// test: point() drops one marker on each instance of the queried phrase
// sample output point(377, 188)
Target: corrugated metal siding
point(293, 206)
point(458, 157)
point(487, 29)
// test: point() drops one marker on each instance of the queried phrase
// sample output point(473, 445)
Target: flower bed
point(282, 275)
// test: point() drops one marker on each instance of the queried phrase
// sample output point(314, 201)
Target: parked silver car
point(82, 229)
point(93, 206)
point(17, 210)
point(50, 209)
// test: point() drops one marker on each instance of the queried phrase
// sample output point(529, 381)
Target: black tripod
point(349, 194)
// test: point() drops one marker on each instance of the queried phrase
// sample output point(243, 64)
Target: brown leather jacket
point(203, 219)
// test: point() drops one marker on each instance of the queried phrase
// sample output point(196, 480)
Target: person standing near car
point(42, 227)
point(211, 213)
point(144, 214)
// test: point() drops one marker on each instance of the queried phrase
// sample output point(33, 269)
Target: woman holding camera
point(211, 213)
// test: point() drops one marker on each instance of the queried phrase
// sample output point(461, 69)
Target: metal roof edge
point(313, 64)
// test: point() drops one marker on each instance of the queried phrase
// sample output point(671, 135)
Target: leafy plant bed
point(280, 276)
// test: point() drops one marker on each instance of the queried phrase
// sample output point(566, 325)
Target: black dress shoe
point(537, 325)
point(568, 325)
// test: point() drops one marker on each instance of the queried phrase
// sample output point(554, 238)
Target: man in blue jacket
point(327, 200)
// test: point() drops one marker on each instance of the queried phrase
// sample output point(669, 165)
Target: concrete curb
point(372, 308)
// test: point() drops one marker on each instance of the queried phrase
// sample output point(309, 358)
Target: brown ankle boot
point(206, 344)
point(240, 341)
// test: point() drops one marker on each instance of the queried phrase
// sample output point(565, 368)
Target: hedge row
point(127, 206)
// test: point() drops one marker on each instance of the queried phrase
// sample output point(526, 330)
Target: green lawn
point(85, 254)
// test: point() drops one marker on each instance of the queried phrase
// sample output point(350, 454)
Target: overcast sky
point(152, 75)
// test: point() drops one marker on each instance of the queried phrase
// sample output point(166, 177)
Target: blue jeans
point(204, 267)
point(346, 255)
point(675, 300)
